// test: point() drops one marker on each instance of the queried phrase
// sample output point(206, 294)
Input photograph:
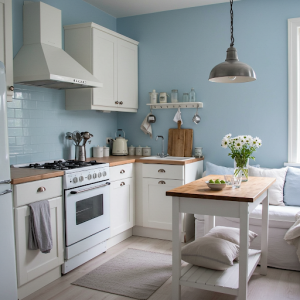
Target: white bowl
point(216, 186)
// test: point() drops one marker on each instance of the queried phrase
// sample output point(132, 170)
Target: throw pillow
point(210, 252)
point(292, 187)
point(212, 169)
point(276, 190)
point(229, 234)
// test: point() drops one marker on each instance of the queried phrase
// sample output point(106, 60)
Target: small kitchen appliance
point(120, 144)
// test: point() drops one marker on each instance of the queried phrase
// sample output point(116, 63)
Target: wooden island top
point(248, 192)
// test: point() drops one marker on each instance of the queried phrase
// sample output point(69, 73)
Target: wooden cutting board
point(180, 141)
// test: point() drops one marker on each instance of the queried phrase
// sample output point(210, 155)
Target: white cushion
point(276, 190)
point(229, 234)
point(211, 253)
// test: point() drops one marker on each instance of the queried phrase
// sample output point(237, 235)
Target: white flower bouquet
point(242, 148)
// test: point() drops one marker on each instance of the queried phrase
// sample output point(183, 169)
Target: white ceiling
point(126, 8)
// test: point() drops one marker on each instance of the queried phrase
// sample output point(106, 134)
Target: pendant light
point(232, 70)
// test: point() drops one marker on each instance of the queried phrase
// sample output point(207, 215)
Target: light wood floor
point(277, 285)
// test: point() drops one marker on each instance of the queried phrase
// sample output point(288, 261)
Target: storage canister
point(105, 151)
point(98, 151)
point(153, 97)
point(146, 151)
point(198, 151)
point(174, 96)
point(131, 150)
point(139, 150)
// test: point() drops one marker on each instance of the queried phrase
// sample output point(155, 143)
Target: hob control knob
point(89, 177)
point(75, 179)
point(94, 175)
point(99, 174)
point(104, 173)
point(81, 178)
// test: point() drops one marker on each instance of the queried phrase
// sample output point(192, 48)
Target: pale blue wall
point(179, 48)
point(37, 119)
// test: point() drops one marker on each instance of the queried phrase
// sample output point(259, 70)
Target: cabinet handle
point(122, 171)
point(121, 102)
point(122, 183)
point(161, 171)
point(117, 102)
point(161, 182)
point(5, 181)
point(11, 88)
point(41, 189)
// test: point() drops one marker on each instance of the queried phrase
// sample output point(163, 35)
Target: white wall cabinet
point(110, 57)
point(6, 48)
point(122, 198)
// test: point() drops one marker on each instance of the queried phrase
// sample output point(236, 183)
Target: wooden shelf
point(219, 281)
point(176, 105)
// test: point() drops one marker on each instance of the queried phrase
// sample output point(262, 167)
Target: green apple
point(211, 181)
point(217, 181)
point(222, 181)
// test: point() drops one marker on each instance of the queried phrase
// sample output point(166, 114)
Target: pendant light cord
point(231, 25)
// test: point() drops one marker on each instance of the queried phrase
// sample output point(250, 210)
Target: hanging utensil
point(196, 118)
point(151, 118)
point(76, 136)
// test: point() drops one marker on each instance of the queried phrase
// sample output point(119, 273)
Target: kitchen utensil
point(75, 138)
point(105, 151)
point(131, 150)
point(153, 97)
point(78, 137)
point(86, 136)
point(216, 186)
point(138, 150)
point(180, 141)
point(80, 154)
point(120, 144)
point(146, 151)
point(196, 118)
point(174, 96)
point(163, 97)
point(98, 151)
point(151, 118)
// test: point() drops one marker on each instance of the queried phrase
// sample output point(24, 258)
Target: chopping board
point(180, 141)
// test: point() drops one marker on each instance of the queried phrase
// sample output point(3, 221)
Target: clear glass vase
point(241, 168)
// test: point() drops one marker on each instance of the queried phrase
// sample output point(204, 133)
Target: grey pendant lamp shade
point(232, 70)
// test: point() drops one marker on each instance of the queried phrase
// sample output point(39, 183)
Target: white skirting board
point(36, 284)
point(119, 238)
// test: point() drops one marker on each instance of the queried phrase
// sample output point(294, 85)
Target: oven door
point(86, 211)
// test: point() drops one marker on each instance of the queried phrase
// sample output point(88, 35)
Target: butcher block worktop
point(22, 175)
point(122, 160)
point(248, 192)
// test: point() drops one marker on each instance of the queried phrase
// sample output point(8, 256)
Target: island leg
point(264, 236)
point(176, 245)
point(244, 246)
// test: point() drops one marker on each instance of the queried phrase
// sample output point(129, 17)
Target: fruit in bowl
point(216, 185)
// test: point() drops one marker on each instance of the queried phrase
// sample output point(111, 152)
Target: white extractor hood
point(41, 61)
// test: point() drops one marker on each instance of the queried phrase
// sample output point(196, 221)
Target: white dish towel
point(293, 235)
point(146, 127)
point(177, 117)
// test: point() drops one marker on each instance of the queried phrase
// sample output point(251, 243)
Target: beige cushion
point(276, 190)
point(211, 253)
point(229, 234)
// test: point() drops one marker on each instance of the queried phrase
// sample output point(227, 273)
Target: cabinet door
point(105, 68)
point(32, 263)
point(121, 206)
point(127, 74)
point(6, 50)
point(157, 207)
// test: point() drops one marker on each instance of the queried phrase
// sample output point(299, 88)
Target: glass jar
point(192, 95)
point(185, 97)
point(174, 96)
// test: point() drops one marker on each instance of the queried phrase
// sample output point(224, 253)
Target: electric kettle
point(120, 144)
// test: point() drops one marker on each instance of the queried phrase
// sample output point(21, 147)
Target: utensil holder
point(80, 154)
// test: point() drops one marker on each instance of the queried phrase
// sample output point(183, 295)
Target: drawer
point(163, 171)
point(121, 172)
point(26, 193)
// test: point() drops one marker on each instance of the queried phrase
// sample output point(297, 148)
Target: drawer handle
point(117, 102)
point(122, 171)
point(121, 102)
point(122, 183)
point(41, 189)
point(161, 171)
point(161, 182)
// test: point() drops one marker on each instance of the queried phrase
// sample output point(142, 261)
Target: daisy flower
point(224, 143)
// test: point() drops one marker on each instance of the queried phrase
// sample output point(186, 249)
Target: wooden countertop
point(248, 192)
point(122, 160)
point(22, 175)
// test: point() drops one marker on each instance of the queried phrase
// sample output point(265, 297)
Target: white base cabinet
point(110, 57)
point(122, 198)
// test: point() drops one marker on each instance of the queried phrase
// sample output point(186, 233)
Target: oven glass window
point(89, 209)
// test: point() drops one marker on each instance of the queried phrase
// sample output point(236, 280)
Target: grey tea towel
point(40, 235)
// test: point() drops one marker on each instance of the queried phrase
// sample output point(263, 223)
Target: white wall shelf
point(176, 105)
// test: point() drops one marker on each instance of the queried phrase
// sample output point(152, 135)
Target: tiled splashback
point(38, 122)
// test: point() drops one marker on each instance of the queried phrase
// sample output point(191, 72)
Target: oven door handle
point(93, 188)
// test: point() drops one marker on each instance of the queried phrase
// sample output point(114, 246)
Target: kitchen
point(38, 119)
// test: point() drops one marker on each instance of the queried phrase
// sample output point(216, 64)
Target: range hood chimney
point(41, 60)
